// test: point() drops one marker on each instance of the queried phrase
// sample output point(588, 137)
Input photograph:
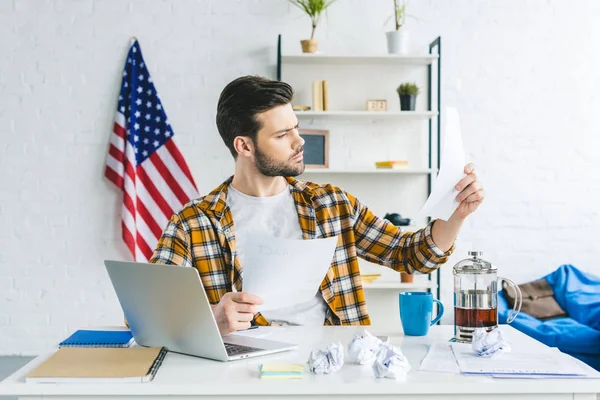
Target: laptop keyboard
point(235, 349)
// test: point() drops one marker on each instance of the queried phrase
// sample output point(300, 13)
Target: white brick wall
point(522, 73)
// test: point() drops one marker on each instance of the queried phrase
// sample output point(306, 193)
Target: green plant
point(314, 9)
point(399, 13)
point(408, 88)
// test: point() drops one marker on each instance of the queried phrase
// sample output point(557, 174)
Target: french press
point(476, 296)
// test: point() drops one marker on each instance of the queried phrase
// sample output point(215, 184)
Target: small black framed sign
point(316, 147)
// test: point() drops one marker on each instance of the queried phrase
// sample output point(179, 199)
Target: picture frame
point(316, 147)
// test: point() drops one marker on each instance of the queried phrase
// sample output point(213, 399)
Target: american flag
point(144, 162)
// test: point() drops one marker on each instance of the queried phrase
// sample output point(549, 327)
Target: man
point(258, 125)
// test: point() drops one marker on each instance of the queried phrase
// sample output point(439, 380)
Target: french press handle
point(518, 301)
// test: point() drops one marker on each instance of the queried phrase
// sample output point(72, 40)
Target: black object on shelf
point(397, 219)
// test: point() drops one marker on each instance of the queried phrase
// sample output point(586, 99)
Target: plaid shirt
point(202, 236)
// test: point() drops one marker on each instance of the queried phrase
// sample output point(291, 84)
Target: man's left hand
point(470, 194)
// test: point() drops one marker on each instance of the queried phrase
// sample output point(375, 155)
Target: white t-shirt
point(273, 216)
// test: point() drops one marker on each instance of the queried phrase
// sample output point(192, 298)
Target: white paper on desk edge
point(442, 200)
point(547, 362)
point(286, 272)
point(440, 358)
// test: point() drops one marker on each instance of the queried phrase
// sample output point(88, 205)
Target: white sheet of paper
point(513, 363)
point(442, 200)
point(440, 358)
point(565, 359)
point(285, 272)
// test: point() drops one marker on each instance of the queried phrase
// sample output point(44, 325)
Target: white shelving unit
point(407, 171)
point(369, 114)
point(416, 59)
point(354, 78)
point(380, 284)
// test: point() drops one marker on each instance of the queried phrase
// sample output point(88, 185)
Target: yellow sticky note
point(282, 367)
point(280, 377)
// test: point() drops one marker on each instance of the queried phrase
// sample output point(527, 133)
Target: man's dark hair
point(241, 101)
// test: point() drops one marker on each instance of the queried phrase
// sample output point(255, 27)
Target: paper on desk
point(514, 363)
point(440, 358)
point(565, 359)
point(285, 272)
point(442, 200)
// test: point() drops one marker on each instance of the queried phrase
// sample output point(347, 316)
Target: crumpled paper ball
point(326, 361)
point(363, 348)
point(390, 362)
point(489, 344)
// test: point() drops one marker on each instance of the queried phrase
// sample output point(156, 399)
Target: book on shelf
point(320, 101)
point(99, 365)
point(317, 102)
point(325, 89)
point(98, 338)
point(368, 278)
point(392, 164)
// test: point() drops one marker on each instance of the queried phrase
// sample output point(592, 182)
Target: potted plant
point(397, 40)
point(314, 9)
point(408, 96)
point(406, 277)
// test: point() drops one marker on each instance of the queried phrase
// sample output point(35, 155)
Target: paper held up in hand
point(285, 272)
point(442, 200)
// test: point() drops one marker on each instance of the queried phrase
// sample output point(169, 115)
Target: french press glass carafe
point(476, 296)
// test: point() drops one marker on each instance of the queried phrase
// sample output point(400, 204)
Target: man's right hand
point(235, 311)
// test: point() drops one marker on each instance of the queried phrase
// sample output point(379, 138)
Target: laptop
point(166, 305)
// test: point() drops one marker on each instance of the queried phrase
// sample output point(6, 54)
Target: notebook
point(84, 338)
point(99, 365)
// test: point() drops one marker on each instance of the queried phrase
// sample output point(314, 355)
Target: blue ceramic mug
point(416, 309)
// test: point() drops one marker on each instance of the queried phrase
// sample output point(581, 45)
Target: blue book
point(85, 338)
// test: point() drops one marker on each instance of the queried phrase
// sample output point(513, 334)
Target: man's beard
point(270, 167)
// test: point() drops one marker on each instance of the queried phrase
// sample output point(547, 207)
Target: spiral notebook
point(89, 338)
point(85, 365)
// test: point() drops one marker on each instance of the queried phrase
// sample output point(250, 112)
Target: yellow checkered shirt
point(202, 236)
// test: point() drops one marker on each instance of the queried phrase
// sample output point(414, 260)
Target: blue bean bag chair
point(578, 293)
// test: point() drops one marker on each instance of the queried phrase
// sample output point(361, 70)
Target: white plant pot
point(398, 42)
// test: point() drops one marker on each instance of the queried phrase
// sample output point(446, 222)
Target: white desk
point(191, 377)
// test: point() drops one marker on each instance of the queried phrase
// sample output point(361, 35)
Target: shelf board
point(321, 58)
point(406, 171)
point(369, 114)
point(389, 284)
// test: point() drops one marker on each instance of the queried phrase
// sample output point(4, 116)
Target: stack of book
point(281, 371)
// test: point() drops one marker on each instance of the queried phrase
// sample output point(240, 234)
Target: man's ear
point(244, 146)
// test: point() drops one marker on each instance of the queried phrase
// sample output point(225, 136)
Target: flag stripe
point(154, 193)
point(144, 232)
point(114, 177)
point(169, 178)
point(116, 153)
point(149, 220)
point(117, 167)
point(119, 130)
point(144, 248)
point(187, 186)
point(148, 201)
point(170, 145)
point(117, 141)
point(128, 238)
point(161, 185)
